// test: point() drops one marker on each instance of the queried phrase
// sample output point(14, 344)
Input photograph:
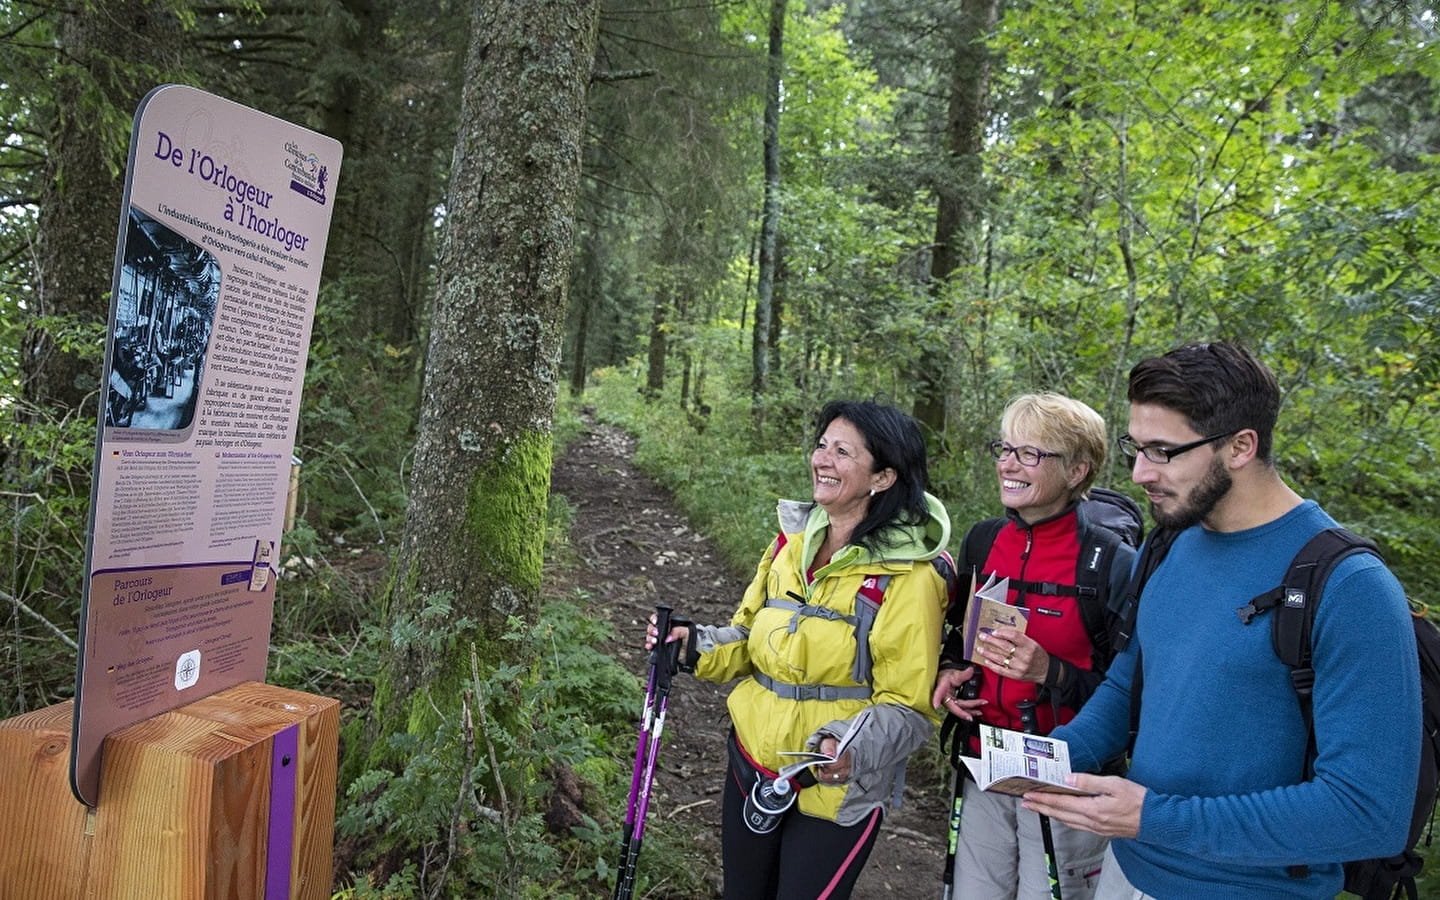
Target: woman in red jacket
point(1050, 449)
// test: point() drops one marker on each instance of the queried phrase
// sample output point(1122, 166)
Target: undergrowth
point(46, 461)
point(523, 795)
point(448, 815)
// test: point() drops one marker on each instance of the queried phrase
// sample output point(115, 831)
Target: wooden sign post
point(232, 797)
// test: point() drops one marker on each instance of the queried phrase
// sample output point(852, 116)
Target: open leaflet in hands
point(989, 611)
point(807, 758)
point(1012, 762)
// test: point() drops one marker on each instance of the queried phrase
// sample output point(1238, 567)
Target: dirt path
point(637, 550)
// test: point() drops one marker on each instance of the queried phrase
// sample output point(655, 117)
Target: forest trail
point(636, 550)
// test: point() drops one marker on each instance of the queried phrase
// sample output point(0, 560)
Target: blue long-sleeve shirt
point(1221, 743)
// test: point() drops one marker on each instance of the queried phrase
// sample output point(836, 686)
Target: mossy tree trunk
point(481, 479)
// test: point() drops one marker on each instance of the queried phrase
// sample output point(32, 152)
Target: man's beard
point(1201, 502)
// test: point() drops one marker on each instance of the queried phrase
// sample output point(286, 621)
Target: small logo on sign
point(308, 175)
point(187, 670)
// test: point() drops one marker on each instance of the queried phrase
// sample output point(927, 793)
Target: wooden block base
point(229, 797)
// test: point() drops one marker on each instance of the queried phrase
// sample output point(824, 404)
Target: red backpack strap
point(780, 541)
point(872, 588)
point(868, 598)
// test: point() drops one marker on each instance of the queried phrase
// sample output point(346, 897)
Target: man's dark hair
point(1219, 387)
point(894, 440)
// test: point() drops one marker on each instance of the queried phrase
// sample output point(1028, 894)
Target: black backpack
point(1293, 604)
point(1107, 520)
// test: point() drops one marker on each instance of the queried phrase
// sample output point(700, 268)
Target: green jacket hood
point(907, 543)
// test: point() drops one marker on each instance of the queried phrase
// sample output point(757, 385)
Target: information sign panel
point(222, 235)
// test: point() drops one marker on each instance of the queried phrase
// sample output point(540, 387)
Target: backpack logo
point(1094, 564)
point(1294, 598)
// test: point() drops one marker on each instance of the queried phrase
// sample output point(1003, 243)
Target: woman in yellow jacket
point(839, 626)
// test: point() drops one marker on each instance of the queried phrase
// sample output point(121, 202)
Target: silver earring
point(872, 492)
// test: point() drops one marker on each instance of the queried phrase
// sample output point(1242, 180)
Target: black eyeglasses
point(1028, 456)
point(1162, 455)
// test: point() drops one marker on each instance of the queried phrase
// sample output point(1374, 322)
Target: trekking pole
point(642, 745)
point(960, 732)
point(1031, 725)
point(652, 723)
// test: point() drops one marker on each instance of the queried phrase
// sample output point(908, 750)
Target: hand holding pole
point(664, 659)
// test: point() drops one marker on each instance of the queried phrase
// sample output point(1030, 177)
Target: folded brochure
point(808, 758)
point(989, 611)
point(1012, 762)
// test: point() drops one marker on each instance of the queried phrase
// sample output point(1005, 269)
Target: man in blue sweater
point(1218, 803)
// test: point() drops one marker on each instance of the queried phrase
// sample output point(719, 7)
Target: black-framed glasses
point(1159, 454)
point(1027, 456)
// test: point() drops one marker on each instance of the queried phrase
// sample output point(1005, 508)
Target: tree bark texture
point(476, 517)
point(109, 51)
point(960, 197)
point(770, 215)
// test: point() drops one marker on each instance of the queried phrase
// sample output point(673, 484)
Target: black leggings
point(804, 858)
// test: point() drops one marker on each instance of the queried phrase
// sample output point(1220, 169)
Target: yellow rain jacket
point(810, 655)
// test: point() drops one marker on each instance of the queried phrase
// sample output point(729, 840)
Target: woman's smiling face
point(1035, 492)
point(841, 469)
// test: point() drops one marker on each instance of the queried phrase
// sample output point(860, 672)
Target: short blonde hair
point(1062, 425)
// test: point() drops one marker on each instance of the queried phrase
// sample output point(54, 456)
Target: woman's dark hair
point(895, 442)
point(1219, 387)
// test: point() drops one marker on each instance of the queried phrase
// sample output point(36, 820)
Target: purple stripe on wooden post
point(280, 845)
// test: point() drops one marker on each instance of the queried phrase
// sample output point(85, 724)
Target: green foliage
point(726, 480)
point(1149, 193)
point(357, 414)
point(1152, 173)
point(835, 111)
point(323, 606)
point(465, 815)
point(45, 464)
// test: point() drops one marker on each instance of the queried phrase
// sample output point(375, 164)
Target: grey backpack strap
point(801, 608)
point(866, 610)
point(787, 691)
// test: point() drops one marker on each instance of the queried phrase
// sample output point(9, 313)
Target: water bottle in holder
point(769, 799)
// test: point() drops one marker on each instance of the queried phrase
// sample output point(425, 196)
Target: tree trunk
point(960, 196)
point(106, 73)
point(475, 525)
point(578, 364)
point(770, 216)
point(659, 345)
